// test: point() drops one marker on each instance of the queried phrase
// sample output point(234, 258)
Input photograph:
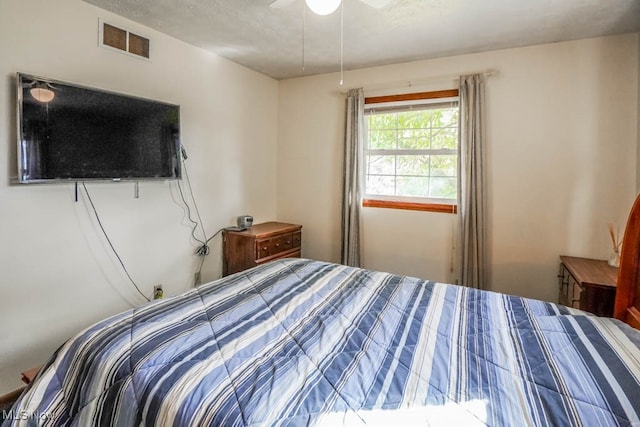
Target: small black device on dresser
point(245, 221)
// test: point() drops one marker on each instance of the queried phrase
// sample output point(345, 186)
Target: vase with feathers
point(614, 260)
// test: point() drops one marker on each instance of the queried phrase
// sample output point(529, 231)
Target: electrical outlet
point(196, 279)
point(157, 292)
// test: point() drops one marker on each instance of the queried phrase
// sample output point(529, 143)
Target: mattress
point(299, 342)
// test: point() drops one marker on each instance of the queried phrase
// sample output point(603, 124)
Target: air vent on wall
point(123, 40)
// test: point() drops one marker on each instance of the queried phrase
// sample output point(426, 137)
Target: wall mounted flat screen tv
point(68, 132)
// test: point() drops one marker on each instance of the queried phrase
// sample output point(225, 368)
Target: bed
point(299, 342)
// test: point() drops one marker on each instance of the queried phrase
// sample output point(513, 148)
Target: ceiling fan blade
point(378, 4)
point(278, 4)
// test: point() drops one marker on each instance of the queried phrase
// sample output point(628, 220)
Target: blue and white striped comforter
point(300, 342)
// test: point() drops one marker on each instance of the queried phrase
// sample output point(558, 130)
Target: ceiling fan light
point(323, 7)
point(42, 94)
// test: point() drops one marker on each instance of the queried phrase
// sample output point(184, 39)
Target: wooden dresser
point(7, 400)
point(259, 244)
point(587, 284)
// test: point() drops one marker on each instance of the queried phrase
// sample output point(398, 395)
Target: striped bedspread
point(299, 342)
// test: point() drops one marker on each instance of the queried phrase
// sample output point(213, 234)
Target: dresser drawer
point(563, 279)
point(277, 244)
point(576, 292)
point(282, 243)
point(264, 248)
point(296, 239)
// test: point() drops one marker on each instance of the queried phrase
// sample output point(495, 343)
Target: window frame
point(408, 202)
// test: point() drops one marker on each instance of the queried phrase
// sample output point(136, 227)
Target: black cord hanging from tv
point(104, 232)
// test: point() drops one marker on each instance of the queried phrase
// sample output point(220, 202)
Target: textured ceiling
point(270, 40)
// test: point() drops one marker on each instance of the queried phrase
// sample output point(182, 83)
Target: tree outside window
point(411, 152)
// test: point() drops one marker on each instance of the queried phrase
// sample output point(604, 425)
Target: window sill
point(412, 206)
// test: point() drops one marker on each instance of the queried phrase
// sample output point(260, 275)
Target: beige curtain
point(352, 173)
point(472, 190)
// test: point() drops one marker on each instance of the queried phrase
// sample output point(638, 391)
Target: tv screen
point(68, 132)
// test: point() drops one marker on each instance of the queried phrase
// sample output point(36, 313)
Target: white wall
point(561, 143)
point(562, 122)
point(57, 274)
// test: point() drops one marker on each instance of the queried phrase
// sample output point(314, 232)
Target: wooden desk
point(587, 284)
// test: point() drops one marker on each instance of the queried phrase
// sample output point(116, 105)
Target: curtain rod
point(409, 83)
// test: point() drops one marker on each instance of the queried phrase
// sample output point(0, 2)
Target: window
point(411, 151)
